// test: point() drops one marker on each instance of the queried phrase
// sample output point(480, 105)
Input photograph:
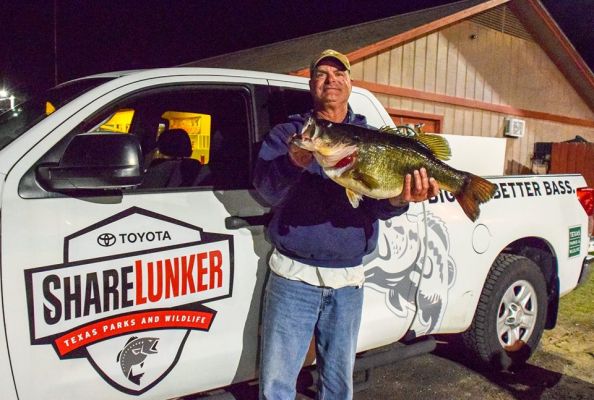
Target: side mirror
point(95, 161)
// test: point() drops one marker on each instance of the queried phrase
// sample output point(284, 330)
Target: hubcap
point(517, 314)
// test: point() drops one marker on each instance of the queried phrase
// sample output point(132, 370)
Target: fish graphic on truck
point(135, 352)
point(87, 303)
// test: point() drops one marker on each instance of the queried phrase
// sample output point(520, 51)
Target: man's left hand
point(417, 187)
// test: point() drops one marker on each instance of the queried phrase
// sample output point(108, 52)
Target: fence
point(573, 158)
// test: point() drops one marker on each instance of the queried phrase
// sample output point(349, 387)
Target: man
point(316, 281)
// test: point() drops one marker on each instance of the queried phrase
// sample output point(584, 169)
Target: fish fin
point(354, 197)
point(476, 190)
point(437, 144)
point(131, 339)
point(367, 180)
point(134, 378)
point(403, 131)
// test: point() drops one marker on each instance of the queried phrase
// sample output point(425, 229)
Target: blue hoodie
point(313, 221)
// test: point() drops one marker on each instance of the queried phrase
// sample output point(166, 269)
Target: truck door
point(153, 290)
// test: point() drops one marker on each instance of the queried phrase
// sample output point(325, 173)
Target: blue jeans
point(293, 312)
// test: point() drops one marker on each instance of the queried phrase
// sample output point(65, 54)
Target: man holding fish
point(320, 237)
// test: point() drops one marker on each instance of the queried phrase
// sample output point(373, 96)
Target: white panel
point(477, 154)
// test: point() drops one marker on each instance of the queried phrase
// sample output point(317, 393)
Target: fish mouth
point(303, 142)
point(153, 348)
point(328, 155)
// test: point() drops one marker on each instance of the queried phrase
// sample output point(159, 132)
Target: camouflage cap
point(329, 53)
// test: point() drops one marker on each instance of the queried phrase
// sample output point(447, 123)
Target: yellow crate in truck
point(119, 122)
point(198, 128)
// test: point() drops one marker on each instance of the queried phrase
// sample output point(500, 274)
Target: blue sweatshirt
point(313, 221)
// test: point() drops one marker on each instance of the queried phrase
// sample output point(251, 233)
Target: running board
point(363, 363)
point(397, 353)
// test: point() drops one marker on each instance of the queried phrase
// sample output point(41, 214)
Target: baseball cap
point(329, 53)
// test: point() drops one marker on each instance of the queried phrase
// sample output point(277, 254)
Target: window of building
point(429, 123)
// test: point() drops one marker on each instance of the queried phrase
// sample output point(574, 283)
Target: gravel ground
point(445, 374)
point(561, 369)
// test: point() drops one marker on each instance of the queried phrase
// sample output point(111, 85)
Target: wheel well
point(541, 252)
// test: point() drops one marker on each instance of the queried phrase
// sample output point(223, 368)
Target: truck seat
point(177, 168)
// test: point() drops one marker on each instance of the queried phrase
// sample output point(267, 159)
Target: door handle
point(235, 222)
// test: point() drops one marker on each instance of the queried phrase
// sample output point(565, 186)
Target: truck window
point(211, 121)
point(191, 136)
point(297, 101)
point(15, 122)
point(284, 102)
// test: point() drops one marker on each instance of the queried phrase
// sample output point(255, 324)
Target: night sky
point(99, 36)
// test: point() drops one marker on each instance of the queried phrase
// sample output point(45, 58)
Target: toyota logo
point(106, 239)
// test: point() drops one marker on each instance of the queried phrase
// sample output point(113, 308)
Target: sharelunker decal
point(130, 291)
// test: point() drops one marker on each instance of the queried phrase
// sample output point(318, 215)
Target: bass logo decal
point(134, 354)
point(398, 267)
point(130, 291)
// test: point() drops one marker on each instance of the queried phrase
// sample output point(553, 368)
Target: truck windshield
point(15, 122)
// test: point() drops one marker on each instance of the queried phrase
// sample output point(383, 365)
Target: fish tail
point(475, 191)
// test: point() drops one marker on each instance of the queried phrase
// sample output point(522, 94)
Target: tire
point(510, 315)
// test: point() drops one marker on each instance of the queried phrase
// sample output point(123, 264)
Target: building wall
point(470, 61)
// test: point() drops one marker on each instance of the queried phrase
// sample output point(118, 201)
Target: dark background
point(99, 36)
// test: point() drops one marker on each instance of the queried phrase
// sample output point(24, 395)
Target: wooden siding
point(495, 69)
point(573, 158)
point(502, 19)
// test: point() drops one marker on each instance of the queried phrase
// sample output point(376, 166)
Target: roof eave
point(532, 14)
point(414, 33)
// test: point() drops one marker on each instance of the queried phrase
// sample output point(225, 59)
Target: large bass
point(373, 163)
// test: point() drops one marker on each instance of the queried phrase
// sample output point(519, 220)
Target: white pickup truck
point(133, 251)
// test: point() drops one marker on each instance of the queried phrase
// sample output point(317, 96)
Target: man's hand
point(421, 189)
point(300, 157)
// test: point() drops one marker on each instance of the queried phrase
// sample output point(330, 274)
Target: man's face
point(330, 83)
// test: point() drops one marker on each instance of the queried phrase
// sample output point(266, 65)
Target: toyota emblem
point(106, 239)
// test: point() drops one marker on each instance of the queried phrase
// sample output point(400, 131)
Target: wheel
point(510, 315)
